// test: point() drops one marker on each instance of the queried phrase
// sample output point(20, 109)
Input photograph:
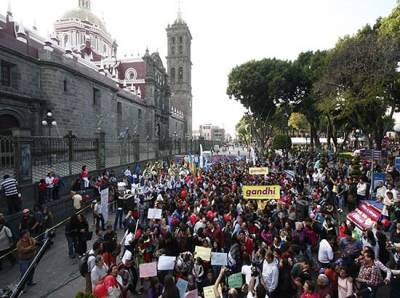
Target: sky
point(226, 33)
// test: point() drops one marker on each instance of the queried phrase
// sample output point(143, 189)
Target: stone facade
point(179, 67)
point(38, 75)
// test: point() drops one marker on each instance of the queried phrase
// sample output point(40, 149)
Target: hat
point(25, 211)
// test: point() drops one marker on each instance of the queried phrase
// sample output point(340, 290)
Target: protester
point(10, 188)
point(26, 250)
point(6, 242)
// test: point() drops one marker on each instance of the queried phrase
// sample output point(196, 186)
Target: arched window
point(172, 74)
point(180, 74)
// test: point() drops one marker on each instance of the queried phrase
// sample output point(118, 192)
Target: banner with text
point(262, 192)
point(258, 171)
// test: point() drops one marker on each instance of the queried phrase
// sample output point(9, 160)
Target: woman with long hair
point(170, 289)
point(155, 289)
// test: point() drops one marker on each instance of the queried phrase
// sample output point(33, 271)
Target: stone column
point(23, 155)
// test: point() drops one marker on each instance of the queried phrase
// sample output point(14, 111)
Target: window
point(173, 74)
point(96, 97)
point(180, 49)
point(173, 50)
point(173, 40)
point(180, 39)
point(6, 73)
point(139, 115)
point(119, 109)
point(180, 74)
point(65, 85)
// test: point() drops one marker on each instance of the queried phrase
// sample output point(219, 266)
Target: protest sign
point(148, 269)
point(104, 203)
point(166, 263)
point(235, 280)
point(219, 259)
point(192, 294)
point(154, 213)
point(258, 171)
point(262, 192)
point(209, 292)
point(182, 284)
point(203, 253)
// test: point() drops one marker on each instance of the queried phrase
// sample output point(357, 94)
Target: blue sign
point(397, 163)
point(377, 177)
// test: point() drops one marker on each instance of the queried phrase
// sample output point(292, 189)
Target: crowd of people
point(299, 246)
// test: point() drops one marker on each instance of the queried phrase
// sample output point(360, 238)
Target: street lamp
point(356, 136)
point(49, 121)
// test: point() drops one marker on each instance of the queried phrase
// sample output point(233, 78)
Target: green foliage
point(298, 121)
point(355, 167)
point(282, 142)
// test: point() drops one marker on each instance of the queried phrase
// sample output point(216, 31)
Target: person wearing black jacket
point(71, 234)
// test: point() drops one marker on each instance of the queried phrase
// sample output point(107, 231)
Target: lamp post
point(356, 136)
point(49, 121)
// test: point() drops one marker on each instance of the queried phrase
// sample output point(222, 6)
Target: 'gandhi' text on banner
point(262, 192)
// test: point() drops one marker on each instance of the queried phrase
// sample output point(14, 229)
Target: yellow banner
point(262, 192)
point(258, 171)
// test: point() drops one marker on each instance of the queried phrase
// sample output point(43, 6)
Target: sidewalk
point(56, 275)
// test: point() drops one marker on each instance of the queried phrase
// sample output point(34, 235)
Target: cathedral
point(77, 74)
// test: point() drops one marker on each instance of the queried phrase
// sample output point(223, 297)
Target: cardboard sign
point(235, 280)
point(182, 284)
point(209, 292)
point(153, 213)
point(219, 259)
point(148, 270)
point(259, 171)
point(104, 203)
point(203, 253)
point(192, 294)
point(262, 192)
point(166, 263)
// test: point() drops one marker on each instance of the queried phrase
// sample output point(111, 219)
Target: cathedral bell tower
point(179, 68)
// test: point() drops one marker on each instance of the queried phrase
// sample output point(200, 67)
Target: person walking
point(6, 242)
point(85, 177)
point(10, 188)
point(26, 249)
point(50, 186)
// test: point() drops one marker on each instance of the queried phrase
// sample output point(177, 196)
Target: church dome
point(84, 14)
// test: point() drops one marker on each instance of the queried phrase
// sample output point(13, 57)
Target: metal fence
point(7, 156)
point(66, 155)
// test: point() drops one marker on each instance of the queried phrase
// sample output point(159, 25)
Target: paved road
point(56, 275)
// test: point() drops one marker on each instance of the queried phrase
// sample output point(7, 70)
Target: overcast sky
point(225, 33)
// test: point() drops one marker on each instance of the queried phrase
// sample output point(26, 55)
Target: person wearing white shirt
point(325, 251)
point(393, 191)
point(270, 274)
point(361, 190)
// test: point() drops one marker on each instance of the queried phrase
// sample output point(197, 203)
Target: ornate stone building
point(77, 74)
point(179, 67)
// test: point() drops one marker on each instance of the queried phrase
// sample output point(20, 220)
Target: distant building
point(212, 133)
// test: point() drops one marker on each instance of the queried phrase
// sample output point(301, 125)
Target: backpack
point(83, 264)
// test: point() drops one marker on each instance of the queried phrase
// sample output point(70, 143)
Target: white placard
point(154, 213)
point(166, 263)
point(104, 203)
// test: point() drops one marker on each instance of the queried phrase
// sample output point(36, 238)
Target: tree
point(282, 142)
point(298, 121)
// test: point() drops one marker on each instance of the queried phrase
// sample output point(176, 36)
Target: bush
point(282, 142)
